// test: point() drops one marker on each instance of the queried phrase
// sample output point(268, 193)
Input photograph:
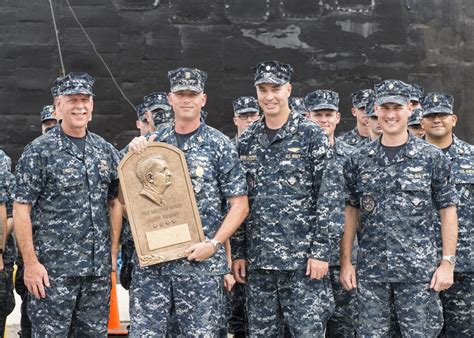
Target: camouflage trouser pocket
point(7, 299)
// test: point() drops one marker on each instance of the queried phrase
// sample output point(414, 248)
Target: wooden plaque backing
point(163, 224)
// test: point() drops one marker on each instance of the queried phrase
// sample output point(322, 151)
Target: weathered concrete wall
point(343, 45)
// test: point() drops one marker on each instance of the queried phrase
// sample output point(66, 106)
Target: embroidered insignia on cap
point(268, 67)
point(390, 86)
point(435, 98)
point(187, 75)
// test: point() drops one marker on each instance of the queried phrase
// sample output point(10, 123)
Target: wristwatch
point(215, 243)
point(450, 259)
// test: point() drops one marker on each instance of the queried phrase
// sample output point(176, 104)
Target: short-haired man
point(283, 243)
point(394, 186)
point(246, 112)
point(67, 219)
point(323, 106)
point(358, 136)
point(414, 123)
point(192, 287)
point(48, 121)
point(458, 301)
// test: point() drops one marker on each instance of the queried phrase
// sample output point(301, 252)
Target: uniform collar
point(289, 128)
point(195, 141)
point(409, 150)
point(65, 144)
point(456, 149)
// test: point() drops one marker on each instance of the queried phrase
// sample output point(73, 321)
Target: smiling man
point(283, 243)
point(439, 122)
point(67, 219)
point(394, 186)
point(191, 289)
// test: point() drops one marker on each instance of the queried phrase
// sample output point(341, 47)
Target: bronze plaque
point(160, 203)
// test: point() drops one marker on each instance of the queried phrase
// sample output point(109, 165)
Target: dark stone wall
point(342, 45)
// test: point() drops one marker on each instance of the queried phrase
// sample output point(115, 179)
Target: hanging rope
point(98, 54)
point(57, 39)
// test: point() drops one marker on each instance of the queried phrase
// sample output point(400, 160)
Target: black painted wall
point(342, 45)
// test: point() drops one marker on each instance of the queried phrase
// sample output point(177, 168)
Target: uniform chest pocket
point(416, 194)
point(201, 176)
point(294, 171)
point(464, 186)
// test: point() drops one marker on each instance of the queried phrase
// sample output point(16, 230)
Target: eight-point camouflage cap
point(55, 88)
point(297, 104)
point(47, 113)
point(272, 72)
point(392, 91)
point(182, 78)
point(140, 110)
point(415, 117)
point(416, 92)
point(245, 104)
point(322, 99)
point(370, 107)
point(361, 97)
point(76, 83)
point(156, 100)
point(435, 103)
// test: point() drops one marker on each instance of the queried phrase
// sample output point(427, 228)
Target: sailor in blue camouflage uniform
point(284, 245)
point(416, 93)
point(358, 136)
point(323, 107)
point(414, 122)
point(192, 287)
point(297, 104)
point(395, 186)
point(372, 120)
point(65, 191)
point(157, 109)
point(48, 121)
point(7, 247)
point(246, 112)
point(458, 301)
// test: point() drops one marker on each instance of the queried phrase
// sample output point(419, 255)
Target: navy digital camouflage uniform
point(341, 323)
point(359, 100)
point(284, 178)
point(237, 321)
point(192, 290)
point(458, 300)
point(69, 191)
point(7, 300)
point(397, 233)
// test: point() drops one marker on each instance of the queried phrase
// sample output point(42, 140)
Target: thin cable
point(98, 54)
point(57, 38)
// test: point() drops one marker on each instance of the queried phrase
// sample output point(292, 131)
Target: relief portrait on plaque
point(155, 176)
point(160, 202)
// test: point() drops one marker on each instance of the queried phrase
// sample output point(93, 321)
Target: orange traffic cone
point(114, 327)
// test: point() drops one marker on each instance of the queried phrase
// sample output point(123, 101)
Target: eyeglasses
point(441, 116)
point(244, 117)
